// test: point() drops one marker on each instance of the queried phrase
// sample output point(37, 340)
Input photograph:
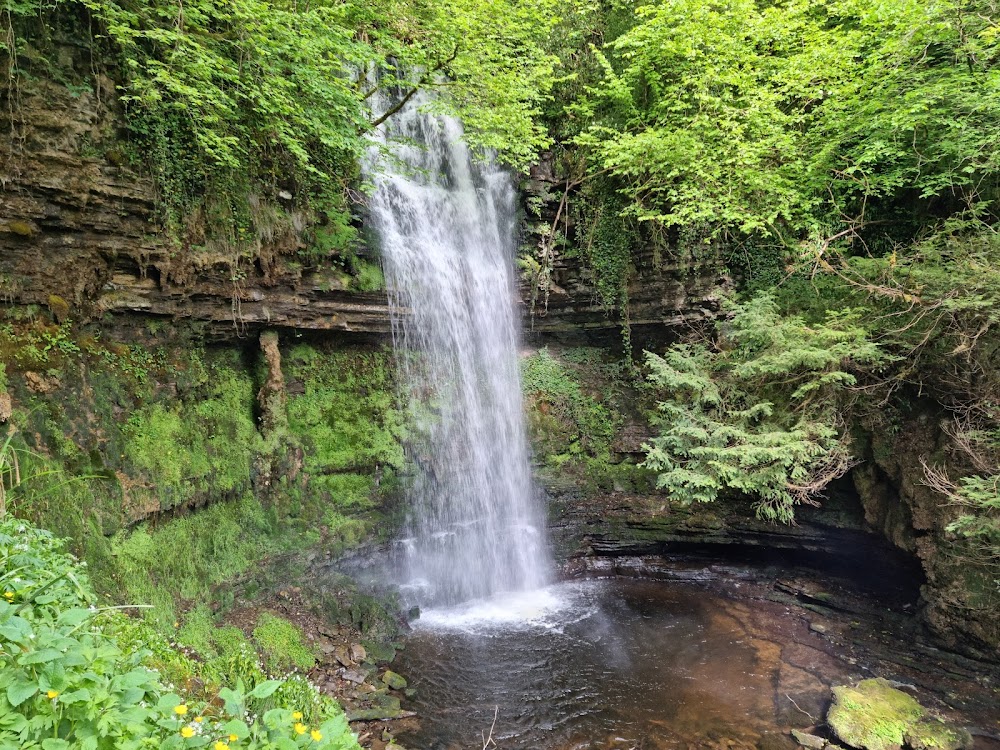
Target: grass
point(282, 644)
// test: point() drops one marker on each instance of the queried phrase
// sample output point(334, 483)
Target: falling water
point(446, 225)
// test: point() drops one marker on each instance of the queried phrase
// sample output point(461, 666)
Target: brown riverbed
point(653, 655)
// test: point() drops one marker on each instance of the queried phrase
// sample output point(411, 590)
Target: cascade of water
point(446, 225)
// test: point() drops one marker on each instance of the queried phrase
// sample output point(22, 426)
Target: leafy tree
point(786, 118)
point(762, 412)
point(231, 104)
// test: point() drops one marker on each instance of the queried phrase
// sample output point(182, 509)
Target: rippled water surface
point(591, 664)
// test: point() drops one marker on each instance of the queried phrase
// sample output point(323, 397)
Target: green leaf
point(20, 691)
point(265, 689)
point(40, 657)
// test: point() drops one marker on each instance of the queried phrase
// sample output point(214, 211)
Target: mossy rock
point(934, 734)
point(876, 716)
point(393, 680)
point(20, 228)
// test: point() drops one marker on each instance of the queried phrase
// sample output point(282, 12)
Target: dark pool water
point(591, 664)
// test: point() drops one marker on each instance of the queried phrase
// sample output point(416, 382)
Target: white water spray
point(447, 225)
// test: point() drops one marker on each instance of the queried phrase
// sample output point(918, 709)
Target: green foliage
point(763, 413)
point(981, 496)
point(67, 681)
point(576, 402)
point(606, 239)
point(190, 447)
point(191, 441)
point(282, 644)
point(346, 418)
point(368, 277)
point(586, 425)
point(189, 556)
point(230, 105)
point(784, 119)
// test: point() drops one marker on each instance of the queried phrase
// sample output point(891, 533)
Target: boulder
point(393, 680)
point(809, 740)
point(874, 715)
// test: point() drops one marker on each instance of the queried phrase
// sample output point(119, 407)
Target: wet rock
point(358, 652)
point(354, 676)
point(802, 697)
point(382, 653)
point(873, 715)
point(38, 383)
point(818, 627)
point(809, 740)
point(6, 407)
point(934, 734)
point(393, 680)
point(378, 714)
point(341, 654)
point(775, 741)
point(387, 702)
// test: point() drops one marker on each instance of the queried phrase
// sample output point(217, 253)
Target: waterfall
point(446, 225)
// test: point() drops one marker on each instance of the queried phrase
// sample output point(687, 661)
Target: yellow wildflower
point(297, 715)
point(233, 738)
point(199, 719)
point(316, 735)
point(8, 595)
point(187, 731)
point(52, 694)
point(220, 746)
point(300, 728)
point(180, 710)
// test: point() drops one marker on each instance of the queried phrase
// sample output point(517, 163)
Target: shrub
point(66, 681)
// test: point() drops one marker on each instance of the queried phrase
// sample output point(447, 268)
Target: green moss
point(203, 444)
point(874, 715)
point(575, 403)
point(131, 432)
point(561, 413)
point(21, 228)
point(368, 277)
point(934, 734)
point(282, 644)
point(187, 557)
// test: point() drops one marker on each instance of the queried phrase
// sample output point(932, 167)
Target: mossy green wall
point(149, 457)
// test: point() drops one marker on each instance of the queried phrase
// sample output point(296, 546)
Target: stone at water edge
point(876, 716)
point(934, 734)
point(809, 740)
point(393, 680)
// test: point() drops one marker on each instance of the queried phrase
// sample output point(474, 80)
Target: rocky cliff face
point(79, 234)
point(961, 595)
point(667, 291)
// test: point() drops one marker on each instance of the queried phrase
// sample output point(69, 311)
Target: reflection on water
point(594, 664)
